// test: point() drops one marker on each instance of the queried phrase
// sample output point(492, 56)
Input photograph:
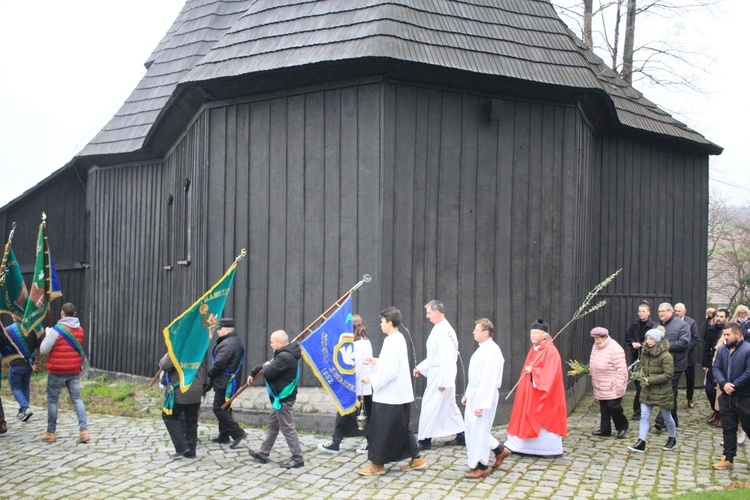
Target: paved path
point(129, 458)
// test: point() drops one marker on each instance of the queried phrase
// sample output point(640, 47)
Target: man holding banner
point(63, 343)
point(227, 356)
point(282, 375)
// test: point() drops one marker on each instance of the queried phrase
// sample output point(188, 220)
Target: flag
point(329, 351)
point(13, 292)
point(189, 335)
point(45, 287)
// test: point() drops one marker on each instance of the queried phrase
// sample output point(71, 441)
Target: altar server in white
point(485, 378)
point(439, 415)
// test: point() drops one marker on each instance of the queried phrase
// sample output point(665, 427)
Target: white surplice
point(440, 415)
point(485, 378)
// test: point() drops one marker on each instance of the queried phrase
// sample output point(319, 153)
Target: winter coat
point(227, 354)
point(637, 333)
point(282, 370)
point(192, 395)
point(658, 368)
point(609, 371)
point(739, 361)
point(677, 332)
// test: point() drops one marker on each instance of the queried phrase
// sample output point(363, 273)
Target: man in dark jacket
point(227, 356)
point(712, 336)
point(281, 374)
point(20, 369)
point(635, 337)
point(731, 369)
point(677, 332)
point(681, 312)
point(180, 415)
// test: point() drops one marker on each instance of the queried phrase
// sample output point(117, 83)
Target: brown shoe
point(691, 403)
point(713, 418)
point(723, 464)
point(3, 427)
point(49, 437)
point(478, 473)
point(83, 437)
point(372, 470)
point(414, 464)
point(500, 457)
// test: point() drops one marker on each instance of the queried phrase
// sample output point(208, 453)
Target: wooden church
point(473, 151)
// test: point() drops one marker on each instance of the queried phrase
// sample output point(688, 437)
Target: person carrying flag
point(20, 368)
point(227, 355)
point(282, 375)
point(63, 343)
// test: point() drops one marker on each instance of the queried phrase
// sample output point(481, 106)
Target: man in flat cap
point(227, 356)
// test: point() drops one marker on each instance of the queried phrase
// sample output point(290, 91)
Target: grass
point(101, 395)
point(734, 490)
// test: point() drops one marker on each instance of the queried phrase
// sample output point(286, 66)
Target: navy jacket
point(739, 361)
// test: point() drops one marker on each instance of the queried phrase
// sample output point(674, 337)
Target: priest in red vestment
point(538, 420)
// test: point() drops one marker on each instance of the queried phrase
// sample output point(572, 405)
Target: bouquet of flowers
point(577, 368)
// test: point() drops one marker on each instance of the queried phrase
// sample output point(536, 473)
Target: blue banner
point(329, 351)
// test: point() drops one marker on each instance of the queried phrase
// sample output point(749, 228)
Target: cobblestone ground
point(129, 458)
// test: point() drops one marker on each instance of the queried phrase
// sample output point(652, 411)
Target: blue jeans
point(55, 384)
point(666, 414)
point(20, 383)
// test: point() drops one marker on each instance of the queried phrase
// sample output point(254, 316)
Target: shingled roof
point(519, 39)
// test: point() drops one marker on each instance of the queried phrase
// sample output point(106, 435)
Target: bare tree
point(728, 254)
point(656, 54)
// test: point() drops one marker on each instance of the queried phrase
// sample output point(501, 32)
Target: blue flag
point(189, 335)
point(329, 351)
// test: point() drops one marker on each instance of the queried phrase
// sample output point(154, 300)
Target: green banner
point(189, 335)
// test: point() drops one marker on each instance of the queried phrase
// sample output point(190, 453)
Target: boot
point(638, 447)
point(671, 443)
point(49, 437)
point(83, 437)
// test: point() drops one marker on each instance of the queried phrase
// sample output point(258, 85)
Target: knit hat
point(655, 334)
point(600, 331)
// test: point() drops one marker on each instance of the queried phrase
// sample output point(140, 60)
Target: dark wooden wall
point(295, 180)
point(491, 216)
point(63, 198)
point(653, 221)
point(148, 259)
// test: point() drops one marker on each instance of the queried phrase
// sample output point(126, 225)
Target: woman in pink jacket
point(609, 376)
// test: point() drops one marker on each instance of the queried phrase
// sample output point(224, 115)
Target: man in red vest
point(63, 343)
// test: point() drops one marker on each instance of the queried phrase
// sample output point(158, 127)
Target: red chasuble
point(543, 405)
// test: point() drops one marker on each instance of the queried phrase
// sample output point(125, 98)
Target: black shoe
point(671, 443)
point(189, 454)
point(293, 464)
point(599, 433)
point(179, 454)
point(621, 434)
point(256, 456)
point(638, 447)
point(636, 416)
point(659, 427)
point(425, 444)
point(220, 440)
point(456, 442)
point(237, 441)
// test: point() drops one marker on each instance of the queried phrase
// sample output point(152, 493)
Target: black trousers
point(690, 382)
point(637, 400)
point(731, 411)
point(227, 426)
point(612, 409)
point(182, 426)
point(346, 426)
point(710, 389)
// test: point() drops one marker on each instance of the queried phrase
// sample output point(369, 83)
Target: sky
point(67, 67)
